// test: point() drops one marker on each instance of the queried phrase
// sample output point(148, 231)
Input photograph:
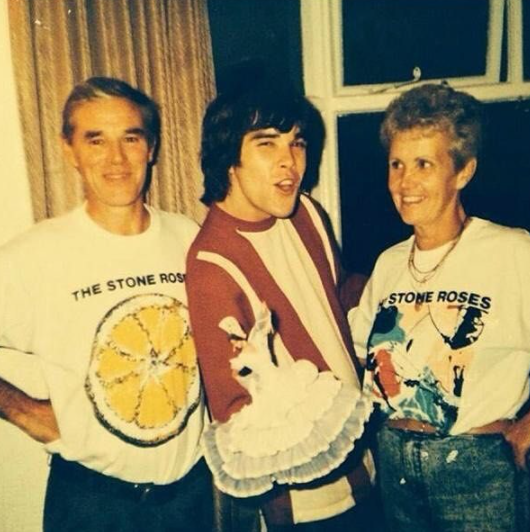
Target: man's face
point(422, 178)
point(110, 151)
point(267, 179)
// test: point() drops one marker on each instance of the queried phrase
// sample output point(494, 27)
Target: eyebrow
point(263, 134)
point(92, 133)
point(136, 131)
point(266, 134)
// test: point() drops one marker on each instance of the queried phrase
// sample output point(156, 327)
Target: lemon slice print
point(143, 379)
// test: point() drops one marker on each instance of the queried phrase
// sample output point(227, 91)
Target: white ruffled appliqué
point(300, 426)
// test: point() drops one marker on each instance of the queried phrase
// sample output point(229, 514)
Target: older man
point(98, 296)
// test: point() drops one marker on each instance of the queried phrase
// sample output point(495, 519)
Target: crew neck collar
point(89, 223)
point(243, 225)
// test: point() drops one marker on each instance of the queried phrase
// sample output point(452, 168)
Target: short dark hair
point(441, 108)
point(250, 107)
point(101, 87)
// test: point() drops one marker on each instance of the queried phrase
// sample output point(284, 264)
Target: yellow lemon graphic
point(142, 378)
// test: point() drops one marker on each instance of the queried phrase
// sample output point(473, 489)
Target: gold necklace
point(423, 276)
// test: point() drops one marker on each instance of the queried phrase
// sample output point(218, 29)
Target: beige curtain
point(161, 46)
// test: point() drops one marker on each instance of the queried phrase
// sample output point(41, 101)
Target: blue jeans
point(81, 500)
point(450, 483)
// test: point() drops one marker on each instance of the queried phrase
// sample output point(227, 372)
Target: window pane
point(385, 39)
point(370, 222)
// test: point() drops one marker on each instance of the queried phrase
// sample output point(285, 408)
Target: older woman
point(444, 326)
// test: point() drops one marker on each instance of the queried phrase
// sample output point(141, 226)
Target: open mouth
point(288, 186)
point(411, 200)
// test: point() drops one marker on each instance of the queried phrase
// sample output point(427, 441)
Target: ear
point(466, 174)
point(152, 151)
point(68, 152)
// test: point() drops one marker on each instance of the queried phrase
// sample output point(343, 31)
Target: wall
point(23, 464)
point(15, 213)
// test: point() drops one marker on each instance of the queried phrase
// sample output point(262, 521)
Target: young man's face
point(110, 151)
point(267, 179)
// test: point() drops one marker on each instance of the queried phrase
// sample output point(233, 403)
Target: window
point(392, 41)
point(358, 55)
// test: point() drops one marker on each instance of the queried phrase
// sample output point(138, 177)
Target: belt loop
point(145, 493)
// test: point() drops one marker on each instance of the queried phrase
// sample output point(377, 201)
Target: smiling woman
point(425, 185)
point(436, 326)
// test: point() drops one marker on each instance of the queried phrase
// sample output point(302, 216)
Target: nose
point(116, 153)
point(409, 176)
point(287, 157)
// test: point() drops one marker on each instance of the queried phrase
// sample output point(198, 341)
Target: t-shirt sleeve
point(522, 264)
point(16, 310)
point(212, 296)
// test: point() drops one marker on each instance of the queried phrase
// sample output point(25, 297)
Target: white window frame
point(323, 79)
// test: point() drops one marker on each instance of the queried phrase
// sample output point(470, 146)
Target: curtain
point(161, 46)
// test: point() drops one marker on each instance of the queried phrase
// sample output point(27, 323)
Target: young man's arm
point(351, 289)
point(212, 296)
point(33, 416)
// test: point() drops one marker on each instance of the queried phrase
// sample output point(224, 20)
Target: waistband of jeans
point(415, 425)
point(142, 492)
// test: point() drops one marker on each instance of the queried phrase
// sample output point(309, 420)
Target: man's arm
point(212, 296)
point(33, 416)
point(351, 289)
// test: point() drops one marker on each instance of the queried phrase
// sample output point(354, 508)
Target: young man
point(98, 296)
point(264, 242)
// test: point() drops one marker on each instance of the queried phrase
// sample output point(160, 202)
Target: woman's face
point(422, 179)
